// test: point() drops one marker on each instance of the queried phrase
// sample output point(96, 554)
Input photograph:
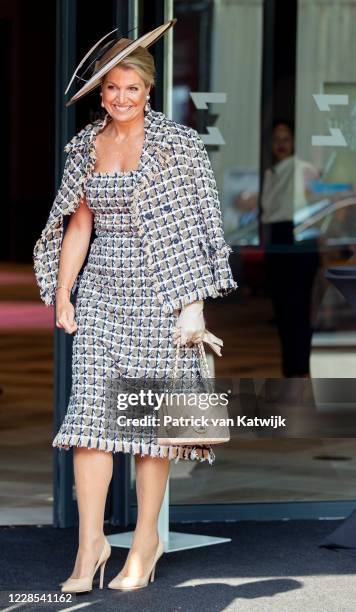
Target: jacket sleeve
point(46, 252)
point(216, 248)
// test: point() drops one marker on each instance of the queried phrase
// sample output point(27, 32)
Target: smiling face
point(124, 94)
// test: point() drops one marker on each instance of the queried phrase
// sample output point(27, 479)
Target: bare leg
point(93, 472)
point(151, 480)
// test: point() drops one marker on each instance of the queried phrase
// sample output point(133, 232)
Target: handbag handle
point(203, 358)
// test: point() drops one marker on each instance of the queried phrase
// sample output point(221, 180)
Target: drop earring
point(147, 105)
point(101, 100)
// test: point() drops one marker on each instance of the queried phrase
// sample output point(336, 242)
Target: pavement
point(268, 566)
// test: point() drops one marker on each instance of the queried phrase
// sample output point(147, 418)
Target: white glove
point(214, 342)
point(190, 326)
point(191, 329)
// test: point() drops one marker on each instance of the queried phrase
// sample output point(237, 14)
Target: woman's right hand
point(65, 313)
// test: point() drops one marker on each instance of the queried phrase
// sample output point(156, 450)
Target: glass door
point(222, 52)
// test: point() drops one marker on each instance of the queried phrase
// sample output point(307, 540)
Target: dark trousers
point(291, 269)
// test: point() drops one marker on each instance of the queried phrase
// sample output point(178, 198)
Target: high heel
point(80, 585)
point(128, 582)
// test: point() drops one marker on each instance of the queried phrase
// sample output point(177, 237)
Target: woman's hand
point(65, 312)
point(190, 326)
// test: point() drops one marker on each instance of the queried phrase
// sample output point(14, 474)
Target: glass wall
point(325, 108)
point(287, 321)
point(325, 137)
point(217, 58)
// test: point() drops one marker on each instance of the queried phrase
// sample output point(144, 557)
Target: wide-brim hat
point(106, 56)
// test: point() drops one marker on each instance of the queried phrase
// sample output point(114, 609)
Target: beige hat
point(117, 51)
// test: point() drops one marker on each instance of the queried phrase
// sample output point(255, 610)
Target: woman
point(291, 266)
point(146, 184)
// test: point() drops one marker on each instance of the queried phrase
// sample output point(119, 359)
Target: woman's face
point(124, 94)
point(282, 142)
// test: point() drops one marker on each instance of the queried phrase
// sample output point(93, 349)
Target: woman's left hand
point(190, 326)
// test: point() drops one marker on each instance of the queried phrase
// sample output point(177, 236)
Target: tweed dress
point(123, 331)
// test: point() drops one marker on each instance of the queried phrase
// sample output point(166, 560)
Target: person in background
point(291, 267)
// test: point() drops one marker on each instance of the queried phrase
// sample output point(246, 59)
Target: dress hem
point(154, 450)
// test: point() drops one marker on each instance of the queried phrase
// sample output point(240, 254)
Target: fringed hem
point(154, 450)
point(218, 289)
point(46, 268)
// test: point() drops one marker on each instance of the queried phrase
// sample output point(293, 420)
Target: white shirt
point(284, 187)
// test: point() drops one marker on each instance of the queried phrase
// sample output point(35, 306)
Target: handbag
point(196, 432)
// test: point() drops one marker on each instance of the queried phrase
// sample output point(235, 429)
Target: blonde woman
point(146, 186)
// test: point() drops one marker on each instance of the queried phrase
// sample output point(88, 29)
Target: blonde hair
point(142, 61)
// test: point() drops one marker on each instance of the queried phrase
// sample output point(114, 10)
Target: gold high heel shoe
point(80, 585)
point(128, 582)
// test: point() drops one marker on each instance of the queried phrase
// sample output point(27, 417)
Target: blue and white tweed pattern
point(122, 329)
point(176, 211)
point(159, 246)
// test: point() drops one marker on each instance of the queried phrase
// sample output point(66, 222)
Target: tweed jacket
point(175, 209)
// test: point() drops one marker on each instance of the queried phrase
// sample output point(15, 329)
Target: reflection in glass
point(309, 197)
point(218, 48)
